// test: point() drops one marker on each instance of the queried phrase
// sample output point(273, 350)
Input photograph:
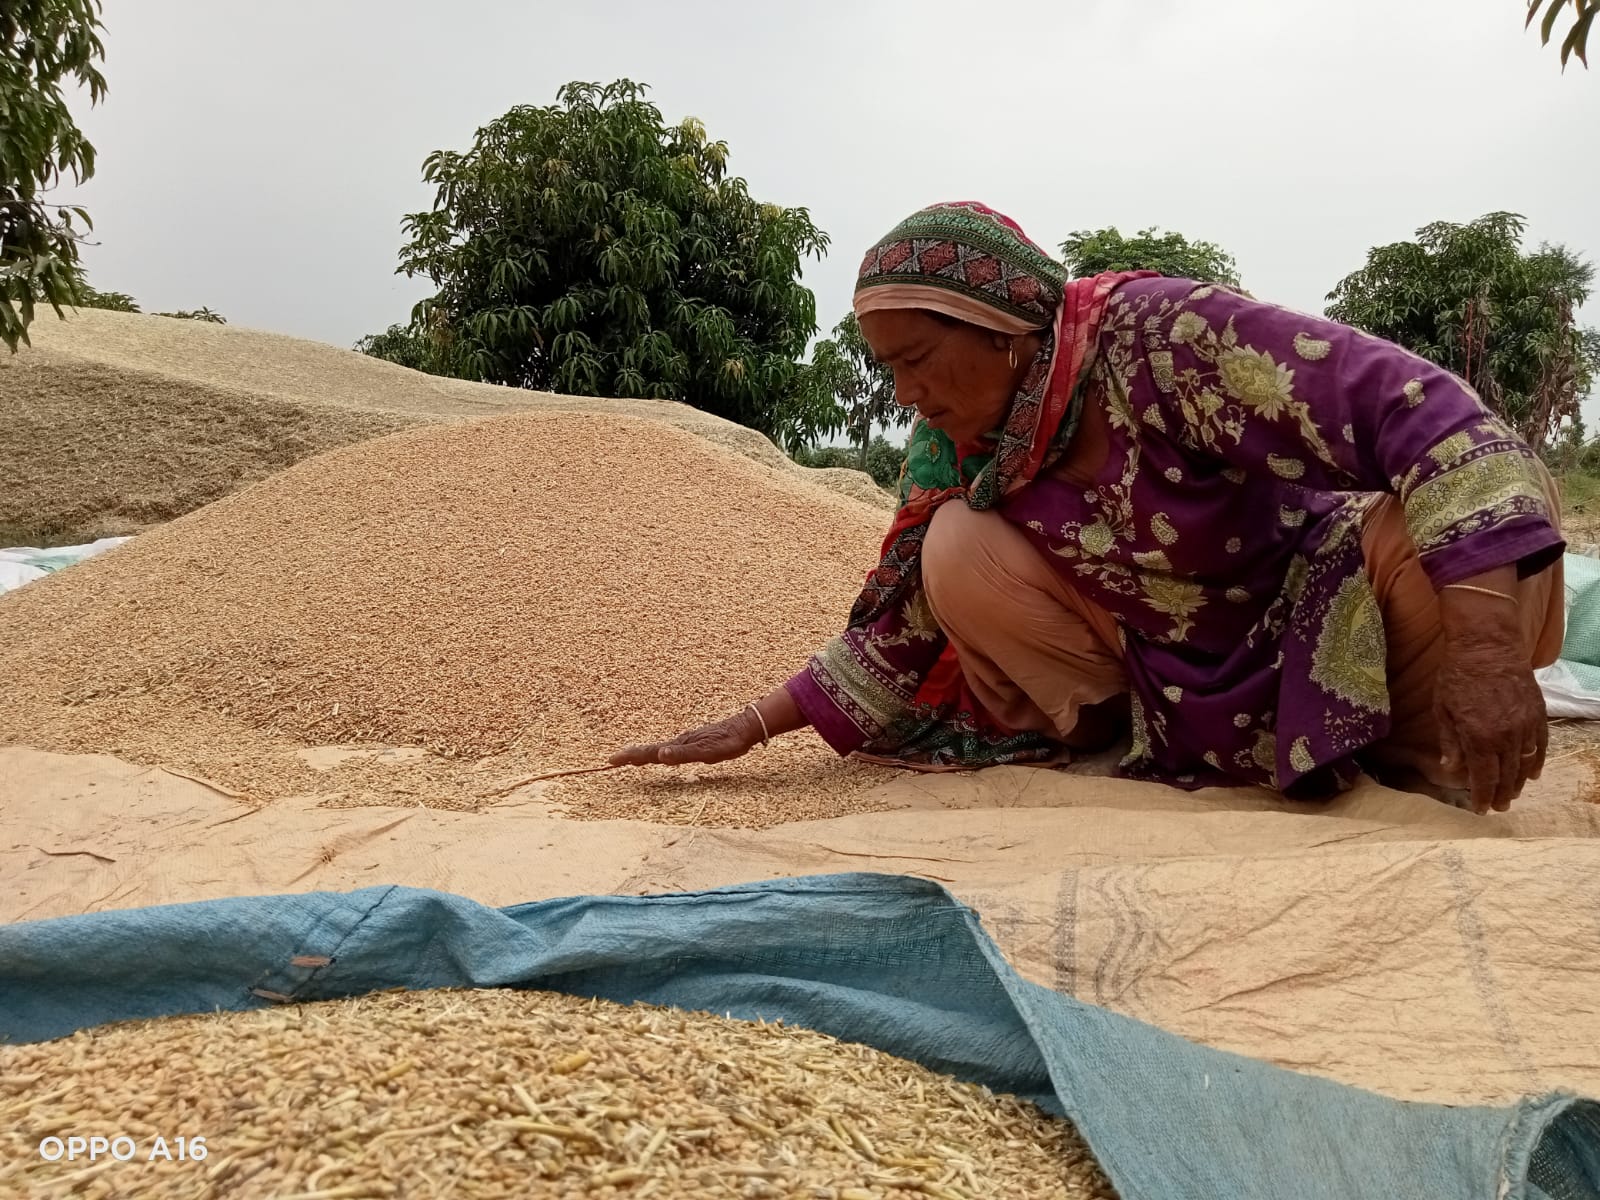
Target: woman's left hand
point(1491, 713)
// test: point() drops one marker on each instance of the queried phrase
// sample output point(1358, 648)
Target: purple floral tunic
point(1224, 534)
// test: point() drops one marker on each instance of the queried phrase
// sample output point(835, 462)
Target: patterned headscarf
point(969, 262)
point(966, 261)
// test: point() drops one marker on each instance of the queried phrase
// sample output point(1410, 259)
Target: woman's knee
point(955, 551)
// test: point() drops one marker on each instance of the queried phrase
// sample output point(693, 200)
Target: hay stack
point(516, 1094)
point(513, 597)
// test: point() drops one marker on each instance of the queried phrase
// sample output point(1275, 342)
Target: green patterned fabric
point(933, 464)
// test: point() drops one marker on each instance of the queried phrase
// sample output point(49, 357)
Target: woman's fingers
point(1513, 773)
point(1449, 740)
point(1541, 747)
point(1483, 773)
point(710, 744)
point(636, 756)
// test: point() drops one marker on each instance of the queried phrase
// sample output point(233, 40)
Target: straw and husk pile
point(516, 1094)
point(500, 599)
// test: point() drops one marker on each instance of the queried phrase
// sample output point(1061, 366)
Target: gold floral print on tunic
point(1286, 468)
point(919, 625)
point(1350, 658)
point(1179, 599)
point(1234, 384)
point(1311, 349)
point(1161, 370)
point(1096, 539)
point(868, 702)
point(1452, 448)
point(1478, 494)
point(1189, 326)
point(1254, 379)
point(1265, 751)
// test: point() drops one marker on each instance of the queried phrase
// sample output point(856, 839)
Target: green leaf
point(1578, 38)
point(1550, 21)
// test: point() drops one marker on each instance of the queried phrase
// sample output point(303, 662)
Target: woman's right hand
point(729, 738)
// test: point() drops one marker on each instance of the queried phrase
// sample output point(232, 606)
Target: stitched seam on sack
point(1469, 927)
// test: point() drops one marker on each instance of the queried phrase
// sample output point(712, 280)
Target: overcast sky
point(257, 158)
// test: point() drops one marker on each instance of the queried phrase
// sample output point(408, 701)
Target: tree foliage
point(91, 297)
point(862, 388)
point(1469, 299)
point(44, 44)
point(590, 248)
point(1093, 252)
point(403, 345)
point(205, 315)
point(1577, 39)
point(86, 295)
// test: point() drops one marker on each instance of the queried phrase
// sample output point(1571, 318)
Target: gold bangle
point(1482, 591)
point(766, 738)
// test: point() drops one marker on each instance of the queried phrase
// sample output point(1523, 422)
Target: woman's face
point(958, 376)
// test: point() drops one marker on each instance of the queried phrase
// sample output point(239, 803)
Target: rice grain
point(513, 597)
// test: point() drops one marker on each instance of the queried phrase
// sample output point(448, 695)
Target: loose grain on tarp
point(518, 596)
point(486, 1094)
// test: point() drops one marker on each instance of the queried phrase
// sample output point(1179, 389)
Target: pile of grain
point(89, 451)
point(113, 421)
point(488, 1094)
point(513, 596)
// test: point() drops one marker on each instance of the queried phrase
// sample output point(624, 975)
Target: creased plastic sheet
point(1385, 940)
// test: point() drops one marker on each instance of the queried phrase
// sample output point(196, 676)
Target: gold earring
point(1012, 353)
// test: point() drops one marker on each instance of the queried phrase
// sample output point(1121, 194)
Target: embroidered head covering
point(966, 261)
point(969, 262)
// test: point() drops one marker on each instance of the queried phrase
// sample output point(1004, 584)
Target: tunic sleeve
point(1324, 406)
point(860, 690)
point(893, 689)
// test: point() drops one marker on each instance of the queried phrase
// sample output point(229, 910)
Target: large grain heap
point(516, 1094)
point(502, 598)
point(111, 422)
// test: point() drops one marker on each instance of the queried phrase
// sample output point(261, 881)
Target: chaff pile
point(517, 1094)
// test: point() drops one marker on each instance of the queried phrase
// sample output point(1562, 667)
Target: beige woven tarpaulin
point(1384, 940)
